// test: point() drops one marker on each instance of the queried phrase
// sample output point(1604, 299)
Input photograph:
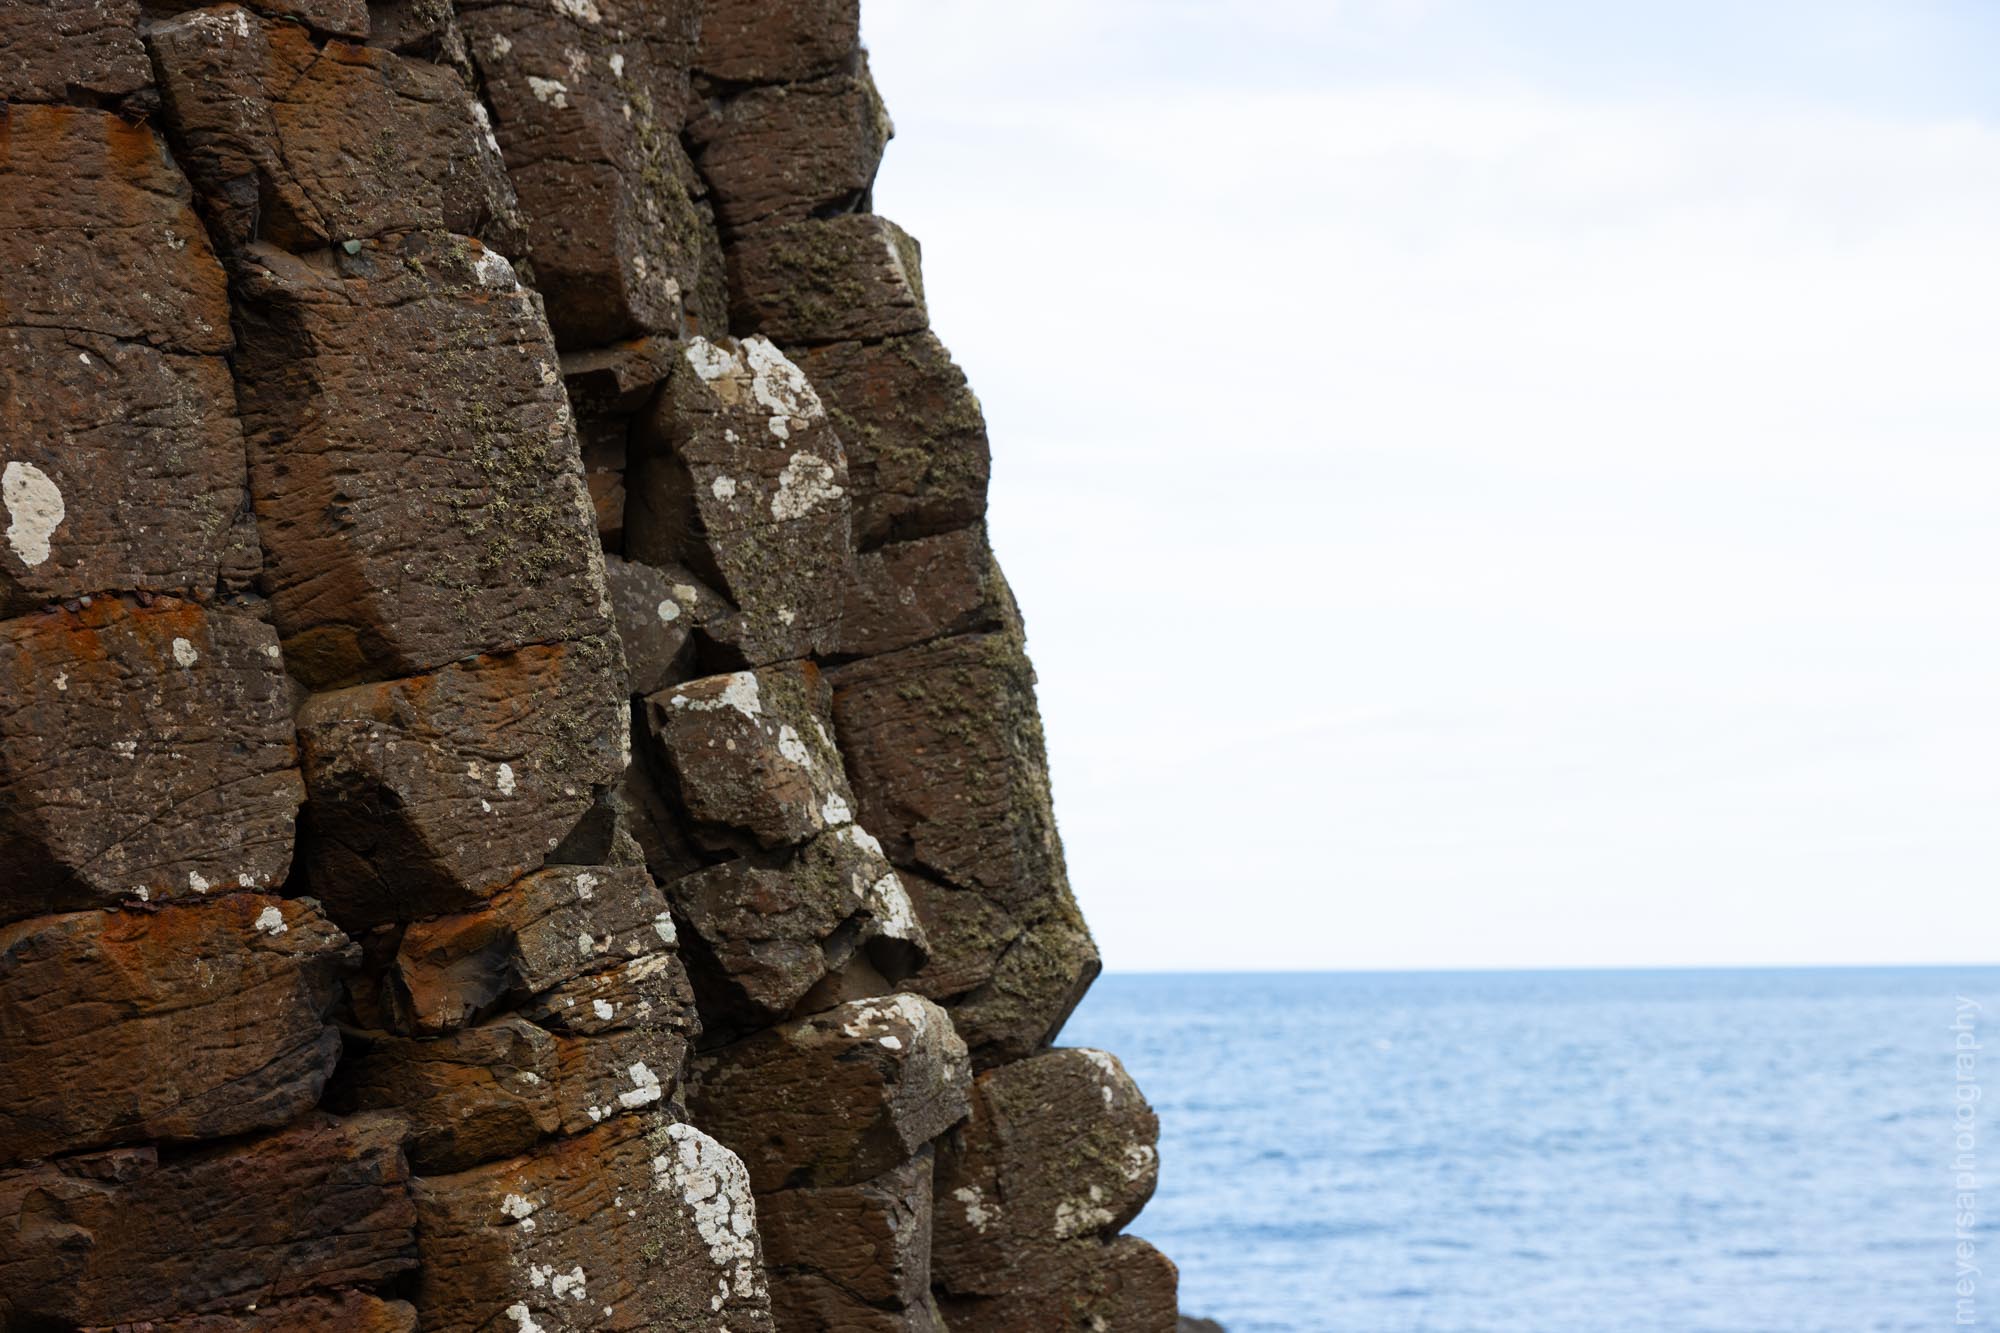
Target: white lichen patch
point(792, 748)
point(1081, 1217)
point(503, 778)
point(668, 610)
point(902, 1008)
point(779, 385)
point(196, 882)
point(617, 64)
point(521, 1209)
point(854, 833)
point(550, 92)
point(500, 45)
point(645, 1088)
point(723, 488)
point(34, 511)
point(586, 886)
point(805, 484)
point(890, 904)
point(584, 11)
point(740, 692)
point(976, 1211)
point(271, 922)
point(184, 653)
point(493, 270)
point(709, 361)
point(524, 1320)
point(568, 1285)
point(835, 810)
point(604, 1010)
point(663, 926)
point(1139, 1159)
point(714, 1187)
point(484, 121)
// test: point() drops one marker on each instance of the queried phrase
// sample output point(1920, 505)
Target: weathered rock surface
point(431, 794)
point(917, 455)
point(340, 1312)
point(123, 467)
point(656, 611)
point(737, 475)
point(83, 195)
point(791, 152)
point(412, 458)
point(944, 750)
point(145, 753)
point(306, 145)
point(188, 1022)
point(82, 51)
point(837, 1098)
point(628, 1227)
point(307, 545)
point(761, 937)
point(123, 1236)
point(1058, 1147)
point(550, 927)
point(913, 592)
point(853, 1256)
point(589, 100)
point(751, 756)
point(827, 280)
point(1123, 1283)
point(977, 812)
point(775, 41)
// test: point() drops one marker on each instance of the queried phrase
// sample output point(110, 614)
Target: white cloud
point(1472, 524)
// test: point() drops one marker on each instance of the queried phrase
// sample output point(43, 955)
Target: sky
point(1490, 484)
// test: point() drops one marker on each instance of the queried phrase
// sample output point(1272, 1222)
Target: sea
point(1678, 1151)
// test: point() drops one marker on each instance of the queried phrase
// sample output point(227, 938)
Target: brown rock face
point(622, 1228)
point(827, 280)
point(432, 794)
point(121, 1236)
point(488, 544)
point(777, 41)
point(192, 1022)
point(836, 1098)
point(738, 476)
point(145, 754)
point(412, 459)
point(791, 152)
point(917, 456)
point(1060, 1151)
point(588, 105)
point(853, 1256)
point(72, 50)
point(272, 124)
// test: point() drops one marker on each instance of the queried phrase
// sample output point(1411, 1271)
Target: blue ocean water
point(1728, 1151)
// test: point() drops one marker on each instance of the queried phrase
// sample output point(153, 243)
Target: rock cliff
point(522, 805)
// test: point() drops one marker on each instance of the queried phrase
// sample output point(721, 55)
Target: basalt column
point(522, 805)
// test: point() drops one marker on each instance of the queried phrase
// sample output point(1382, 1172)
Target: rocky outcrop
point(522, 803)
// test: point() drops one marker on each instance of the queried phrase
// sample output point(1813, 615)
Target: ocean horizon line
point(1568, 969)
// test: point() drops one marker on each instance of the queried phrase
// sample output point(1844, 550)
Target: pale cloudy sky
point(1491, 484)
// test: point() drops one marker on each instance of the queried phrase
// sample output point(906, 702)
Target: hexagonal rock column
point(121, 463)
point(737, 476)
point(1060, 1151)
point(120, 1237)
point(833, 1115)
point(189, 1022)
point(589, 100)
point(414, 466)
point(626, 1227)
point(944, 748)
point(145, 755)
point(431, 794)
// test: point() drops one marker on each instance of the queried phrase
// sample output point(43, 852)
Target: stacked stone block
point(522, 804)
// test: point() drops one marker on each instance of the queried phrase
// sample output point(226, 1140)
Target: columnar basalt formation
point(522, 805)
